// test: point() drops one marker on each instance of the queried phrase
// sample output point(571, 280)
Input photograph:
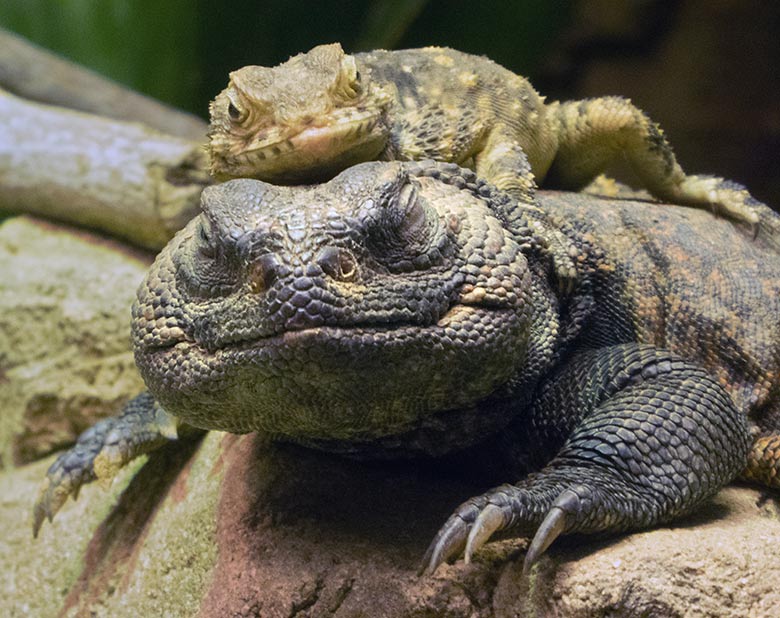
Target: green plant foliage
point(146, 44)
point(180, 51)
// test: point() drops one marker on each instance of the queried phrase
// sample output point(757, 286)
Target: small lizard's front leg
point(102, 450)
point(644, 437)
point(594, 132)
point(504, 164)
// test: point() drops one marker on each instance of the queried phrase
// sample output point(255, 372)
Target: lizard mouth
point(316, 152)
point(320, 141)
point(376, 333)
point(336, 382)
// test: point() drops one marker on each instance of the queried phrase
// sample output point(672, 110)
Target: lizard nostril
point(338, 263)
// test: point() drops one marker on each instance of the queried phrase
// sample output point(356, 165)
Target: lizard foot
point(545, 510)
point(725, 198)
point(101, 451)
point(656, 438)
point(732, 200)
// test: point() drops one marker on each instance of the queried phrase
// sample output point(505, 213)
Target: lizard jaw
point(314, 152)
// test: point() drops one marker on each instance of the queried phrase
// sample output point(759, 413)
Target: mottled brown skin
point(395, 312)
point(324, 110)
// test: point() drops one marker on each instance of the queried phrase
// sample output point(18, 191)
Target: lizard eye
point(206, 246)
point(348, 81)
point(234, 112)
point(414, 225)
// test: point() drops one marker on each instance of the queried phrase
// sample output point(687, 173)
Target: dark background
point(707, 70)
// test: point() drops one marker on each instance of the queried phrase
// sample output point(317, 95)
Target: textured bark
point(119, 177)
point(34, 73)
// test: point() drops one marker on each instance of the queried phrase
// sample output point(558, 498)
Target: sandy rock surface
point(236, 527)
point(65, 354)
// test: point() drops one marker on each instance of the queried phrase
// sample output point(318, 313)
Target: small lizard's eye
point(233, 112)
point(347, 83)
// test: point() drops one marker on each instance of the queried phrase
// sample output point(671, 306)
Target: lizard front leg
point(102, 450)
point(504, 164)
point(594, 132)
point(644, 437)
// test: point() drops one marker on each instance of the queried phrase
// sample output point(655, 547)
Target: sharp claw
point(57, 486)
point(38, 517)
point(448, 543)
point(46, 506)
point(551, 527)
point(490, 520)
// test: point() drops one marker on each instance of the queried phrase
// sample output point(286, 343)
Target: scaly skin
point(395, 312)
point(324, 110)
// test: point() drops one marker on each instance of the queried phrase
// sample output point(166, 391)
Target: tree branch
point(119, 177)
point(35, 73)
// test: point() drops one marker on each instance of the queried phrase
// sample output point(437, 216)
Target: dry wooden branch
point(120, 177)
point(34, 73)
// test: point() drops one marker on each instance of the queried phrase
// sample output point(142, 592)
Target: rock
point(237, 527)
point(65, 353)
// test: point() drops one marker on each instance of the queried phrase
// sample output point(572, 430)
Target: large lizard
point(394, 312)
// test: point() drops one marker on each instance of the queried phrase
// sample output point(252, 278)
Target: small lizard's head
point(304, 120)
point(352, 309)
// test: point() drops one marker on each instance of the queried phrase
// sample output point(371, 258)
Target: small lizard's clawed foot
point(730, 199)
point(101, 452)
point(725, 198)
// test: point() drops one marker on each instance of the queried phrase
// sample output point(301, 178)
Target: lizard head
point(303, 120)
point(350, 309)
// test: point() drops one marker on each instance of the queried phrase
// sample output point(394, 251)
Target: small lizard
point(324, 110)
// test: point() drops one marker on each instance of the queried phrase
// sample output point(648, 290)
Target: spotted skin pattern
point(324, 110)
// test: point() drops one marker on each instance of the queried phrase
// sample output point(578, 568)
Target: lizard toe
point(492, 519)
point(65, 477)
point(565, 508)
point(450, 541)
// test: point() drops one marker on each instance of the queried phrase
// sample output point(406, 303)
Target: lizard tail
point(764, 461)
